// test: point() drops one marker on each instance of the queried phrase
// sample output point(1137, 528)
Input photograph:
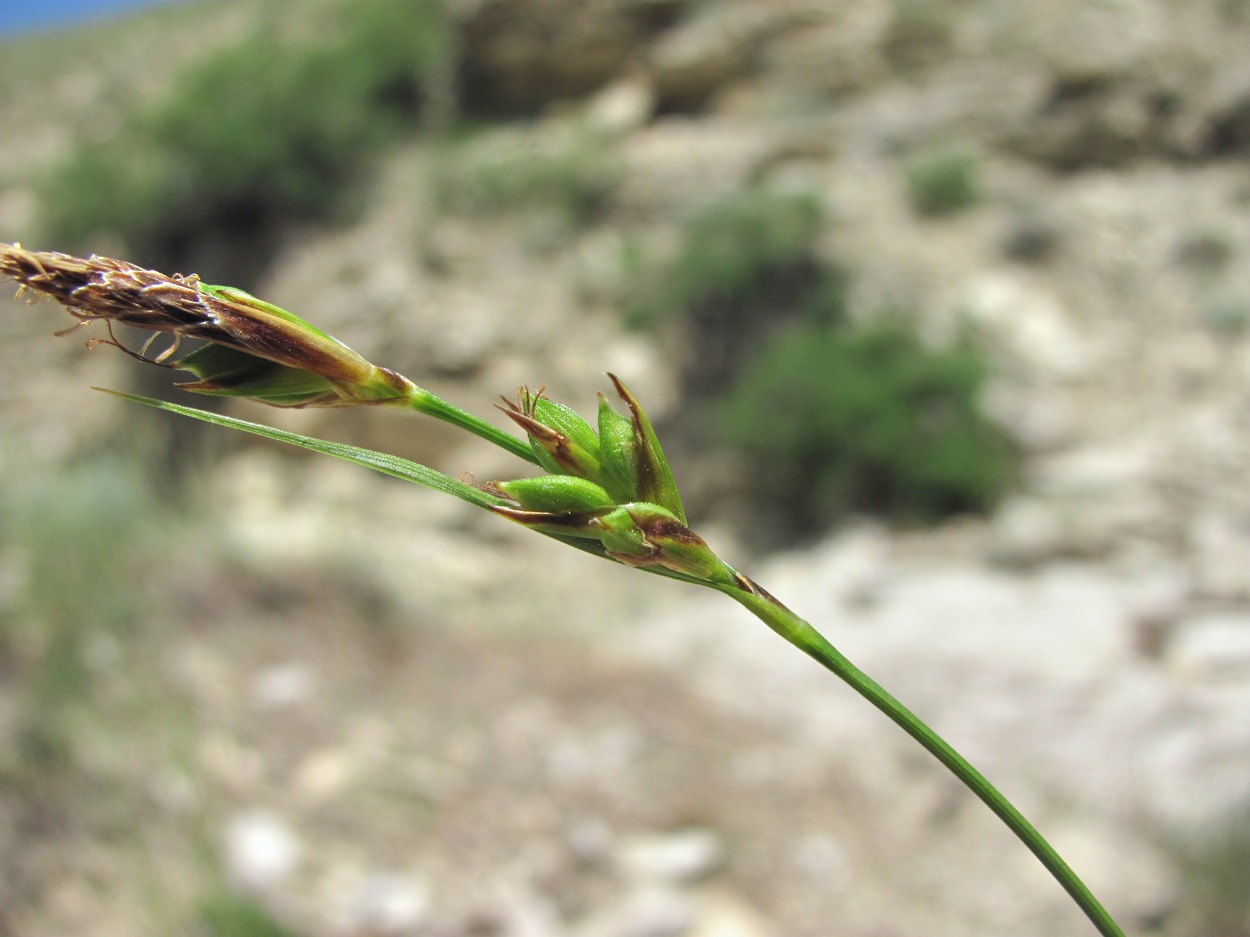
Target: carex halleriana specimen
point(606, 489)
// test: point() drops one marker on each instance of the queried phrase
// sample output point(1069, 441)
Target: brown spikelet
point(117, 291)
point(103, 288)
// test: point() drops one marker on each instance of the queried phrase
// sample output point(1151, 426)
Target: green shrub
point(943, 183)
point(1227, 314)
point(1213, 900)
point(229, 915)
point(746, 266)
point(85, 550)
point(833, 418)
point(259, 131)
point(866, 419)
point(733, 255)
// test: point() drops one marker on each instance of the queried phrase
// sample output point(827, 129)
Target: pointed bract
point(565, 420)
point(563, 442)
point(226, 372)
point(655, 482)
point(646, 535)
point(562, 524)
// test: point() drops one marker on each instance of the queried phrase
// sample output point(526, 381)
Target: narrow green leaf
point(655, 479)
point(369, 458)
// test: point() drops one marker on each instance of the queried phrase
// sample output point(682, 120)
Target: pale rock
point(1191, 773)
point(1040, 422)
point(692, 61)
point(622, 106)
point(325, 774)
point(386, 904)
point(723, 914)
point(1087, 41)
point(601, 757)
point(1026, 531)
point(675, 857)
point(1064, 623)
point(204, 674)
point(282, 685)
point(523, 912)
point(646, 911)
point(824, 859)
point(1220, 557)
point(1109, 484)
point(591, 840)
point(839, 51)
point(262, 851)
point(1025, 325)
point(227, 761)
point(1212, 647)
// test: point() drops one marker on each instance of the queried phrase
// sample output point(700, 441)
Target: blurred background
point(942, 308)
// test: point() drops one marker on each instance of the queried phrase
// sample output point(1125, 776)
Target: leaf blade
point(382, 462)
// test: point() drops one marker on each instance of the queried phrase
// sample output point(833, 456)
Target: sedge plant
point(606, 489)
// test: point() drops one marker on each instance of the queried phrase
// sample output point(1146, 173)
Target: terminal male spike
point(253, 348)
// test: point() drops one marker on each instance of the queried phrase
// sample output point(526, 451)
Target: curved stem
point(431, 404)
point(805, 637)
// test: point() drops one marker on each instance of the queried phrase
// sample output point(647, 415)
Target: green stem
point(431, 404)
point(805, 637)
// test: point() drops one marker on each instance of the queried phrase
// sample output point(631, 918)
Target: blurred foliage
point(263, 130)
point(867, 419)
point(943, 183)
point(230, 915)
point(1216, 902)
point(93, 729)
point(77, 547)
point(1227, 314)
point(746, 265)
point(830, 417)
point(484, 173)
point(735, 255)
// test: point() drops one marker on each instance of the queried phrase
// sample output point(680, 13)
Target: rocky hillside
point(287, 722)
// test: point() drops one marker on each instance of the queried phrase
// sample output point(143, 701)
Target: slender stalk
point(430, 404)
point(806, 638)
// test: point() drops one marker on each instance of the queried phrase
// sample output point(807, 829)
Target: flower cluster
point(608, 487)
point(609, 484)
